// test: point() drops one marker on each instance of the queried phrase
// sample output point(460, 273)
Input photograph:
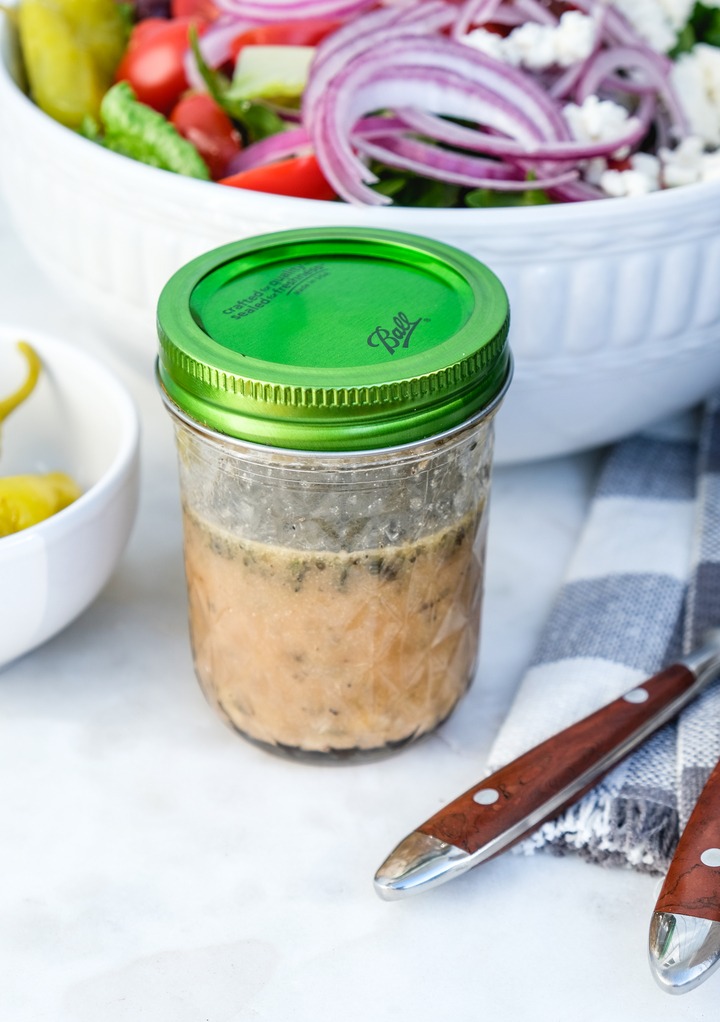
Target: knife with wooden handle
point(684, 942)
point(515, 800)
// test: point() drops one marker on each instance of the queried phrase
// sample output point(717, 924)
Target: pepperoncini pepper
point(9, 404)
point(26, 500)
point(71, 49)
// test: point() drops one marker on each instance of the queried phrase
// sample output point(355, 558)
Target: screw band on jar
point(333, 340)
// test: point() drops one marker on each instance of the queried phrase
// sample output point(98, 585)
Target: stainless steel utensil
point(512, 802)
point(684, 943)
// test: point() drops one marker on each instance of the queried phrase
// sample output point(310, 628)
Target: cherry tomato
point(308, 32)
point(201, 121)
point(204, 9)
point(147, 28)
point(153, 63)
point(299, 176)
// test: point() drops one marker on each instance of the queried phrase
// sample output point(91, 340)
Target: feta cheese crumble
point(537, 46)
point(689, 163)
point(640, 178)
point(695, 77)
point(657, 21)
point(489, 43)
point(547, 50)
point(598, 120)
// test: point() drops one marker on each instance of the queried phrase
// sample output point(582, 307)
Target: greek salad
point(413, 102)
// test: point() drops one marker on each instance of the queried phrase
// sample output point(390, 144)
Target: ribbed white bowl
point(615, 305)
point(52, 571)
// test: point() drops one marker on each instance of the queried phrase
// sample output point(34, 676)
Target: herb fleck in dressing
point(335, 652)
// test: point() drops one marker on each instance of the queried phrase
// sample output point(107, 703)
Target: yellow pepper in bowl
point(26, 500)
point(10, 403)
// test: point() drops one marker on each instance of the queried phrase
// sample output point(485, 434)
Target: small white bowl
point(615, 304)
point(79, 420)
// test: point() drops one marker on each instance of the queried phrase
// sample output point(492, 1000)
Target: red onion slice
point(296, 141)
point(607, 63)
point(380, 127)
point(481, 141)
point(416, 155)
point(511, 86)
point(292, 10)
point(469, 171)
point(576, 191)
point(268, 150)
point(435, 75)
point(602, 70)
point(374, 29)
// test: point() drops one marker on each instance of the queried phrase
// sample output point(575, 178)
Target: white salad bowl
point(79, 420)
point(615, 304)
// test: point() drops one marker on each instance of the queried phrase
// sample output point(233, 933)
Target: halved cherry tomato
point(308, 32)
point(299, 176)
point(204, 9)
point(153, 63)
point(201, 121)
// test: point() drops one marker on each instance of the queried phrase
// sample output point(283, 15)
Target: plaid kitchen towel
point(642, 586)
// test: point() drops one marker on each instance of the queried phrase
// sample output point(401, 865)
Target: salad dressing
point(334, 652)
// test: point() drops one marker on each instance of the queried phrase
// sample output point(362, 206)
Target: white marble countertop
point(155, 866)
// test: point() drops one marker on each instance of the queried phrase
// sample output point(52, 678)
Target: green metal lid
point(333, 339)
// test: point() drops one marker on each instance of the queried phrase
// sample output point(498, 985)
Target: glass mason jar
point(333, 395)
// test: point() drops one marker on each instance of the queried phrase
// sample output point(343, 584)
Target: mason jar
point(333, 394)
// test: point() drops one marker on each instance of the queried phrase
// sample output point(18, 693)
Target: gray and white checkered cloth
point(642, 586)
